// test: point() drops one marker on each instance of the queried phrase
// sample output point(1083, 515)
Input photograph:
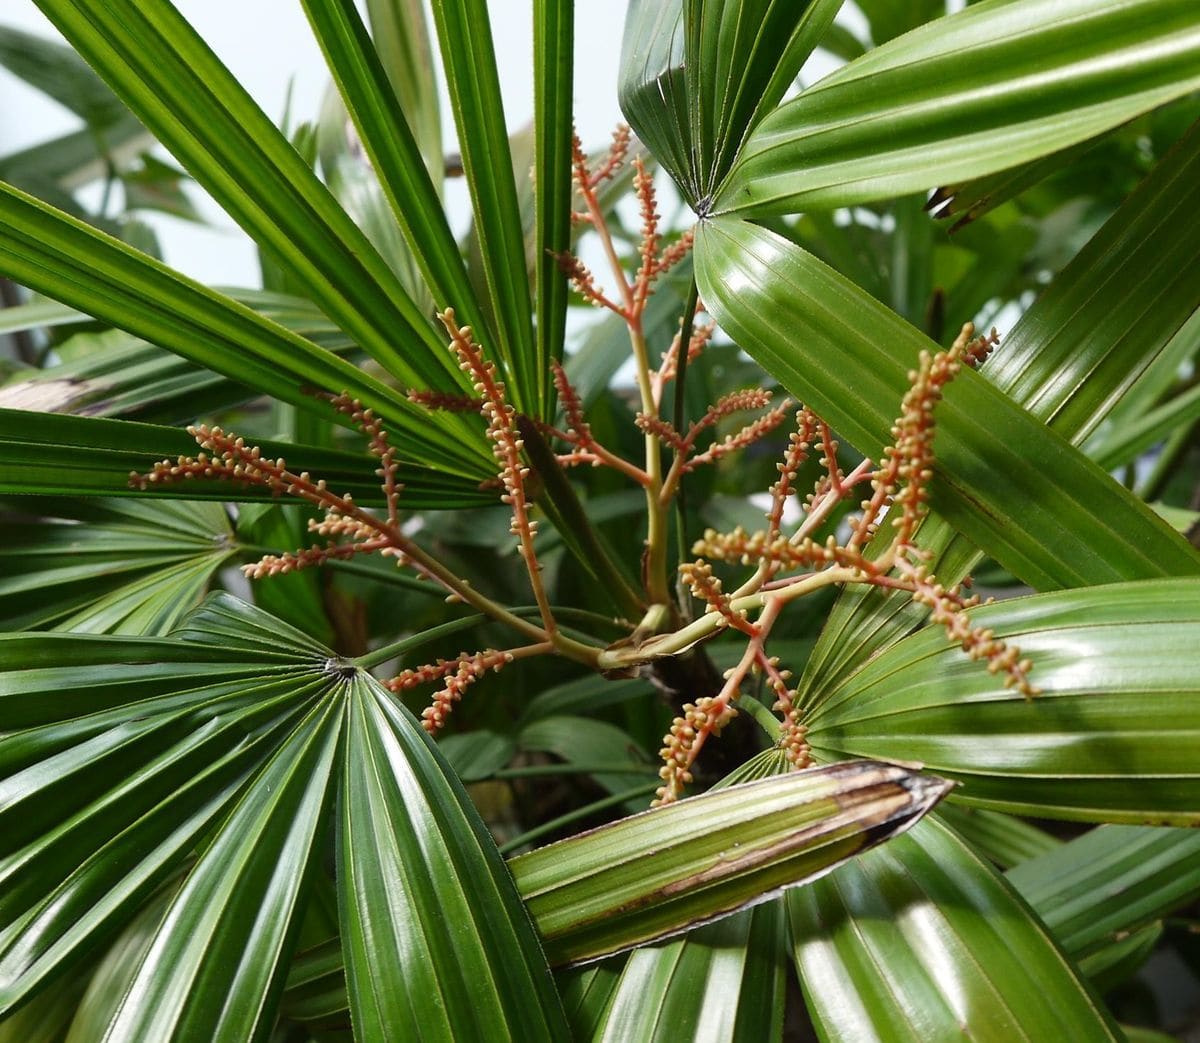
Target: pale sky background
point(268, 42)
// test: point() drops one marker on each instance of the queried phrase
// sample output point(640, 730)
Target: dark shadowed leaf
point(698, 75)
point(108, 566)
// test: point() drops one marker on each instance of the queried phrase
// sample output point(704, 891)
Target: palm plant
point(218, 822)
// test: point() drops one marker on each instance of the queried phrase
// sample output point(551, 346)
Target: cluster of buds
point(805, 562)
point(506, 447)
point(668, 369)
point(793, 736)
point(577, 433)
point(949, 607)
point(350, 530)
point(681, 746)
point(699, 578)
point(588, 178)
point(458, 675)
point(734, 402)
point(654, 260)
point(379, 445)
point(232, 460)
point(227, 456)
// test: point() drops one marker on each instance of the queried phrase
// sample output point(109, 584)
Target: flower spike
point(506, 447)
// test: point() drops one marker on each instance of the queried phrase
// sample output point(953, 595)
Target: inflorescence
point(785, 565)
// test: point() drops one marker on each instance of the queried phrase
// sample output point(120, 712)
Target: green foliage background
point(215, 823)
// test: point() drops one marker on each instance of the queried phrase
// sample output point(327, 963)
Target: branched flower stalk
point(506, 446)
point(633, 295)
point(785, 566)
point(349, 530)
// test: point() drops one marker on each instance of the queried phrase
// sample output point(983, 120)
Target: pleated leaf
point(554, 65)
point(1108, 323)
point(124, 378)
point(297, 314)
point(652, 88)
point(116, 967)
point(55, 254)
point(586, 741)
point(670, 869)
point(69, 161)
point(1127, 443)
point(970, 200)
point(1044, 511)
point(436, 941)
point(71, 456)
point(921, 940)
point(315, 992)
point(1092, 891)
point(1098, 328)
point(395, 154)
point(746, 54)
point(1005, 839)
point(1111, 737)
point(115, 374)
point(887, 19)
point(401, 37)
point(989, 88)
point(119, 755)
point(720, 982)
point(38, 314)
point(469, 61)
point(129, 568)
point(218, 959)
point(154, 60)
point(586, 993)
point(121, 758)
point(697, 75)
